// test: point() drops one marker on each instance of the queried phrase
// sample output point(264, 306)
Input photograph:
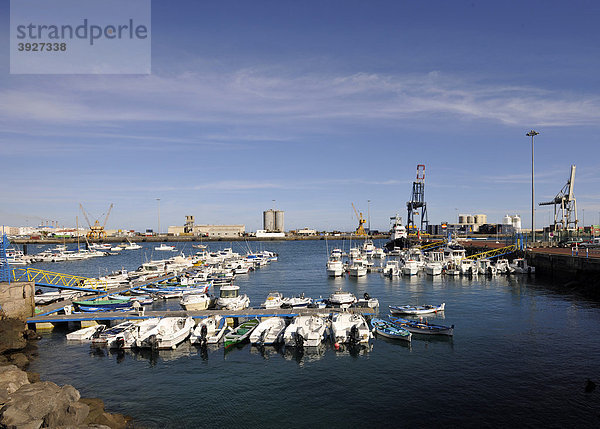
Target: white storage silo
point(516, 223)
point(279, 227)
point(507, 220)
point(480, 219)
point(269, 220)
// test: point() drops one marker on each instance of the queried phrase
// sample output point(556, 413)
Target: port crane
point(417, 202)
point(565, 206)
point(360, 230)
point(96, 231)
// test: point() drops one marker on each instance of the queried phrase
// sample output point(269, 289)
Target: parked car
point(570, 242)
point(594, 242)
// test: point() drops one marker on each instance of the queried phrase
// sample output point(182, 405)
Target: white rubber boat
point(85, 334)
point(168, 333)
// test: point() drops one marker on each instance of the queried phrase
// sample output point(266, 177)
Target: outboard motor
point(354, 335)
point(120, 342)
point(299, 340)
point(366, 296)
point(203, 335)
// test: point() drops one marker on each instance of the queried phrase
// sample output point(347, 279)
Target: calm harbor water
point(520, 357)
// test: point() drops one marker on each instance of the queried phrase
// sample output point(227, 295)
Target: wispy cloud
point(247, 94)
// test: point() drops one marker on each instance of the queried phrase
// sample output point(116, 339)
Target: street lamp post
point(369, 214)
point(158, 204)
point(532, 134)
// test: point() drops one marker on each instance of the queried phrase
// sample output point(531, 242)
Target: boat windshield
point(229, 293)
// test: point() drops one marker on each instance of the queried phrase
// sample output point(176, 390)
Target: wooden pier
point(107, 316)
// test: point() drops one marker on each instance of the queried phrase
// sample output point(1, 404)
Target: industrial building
point(213, 231)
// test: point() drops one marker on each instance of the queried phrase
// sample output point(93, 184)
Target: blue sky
point(314, 105)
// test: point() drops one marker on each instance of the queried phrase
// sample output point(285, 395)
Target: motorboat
point(520, 266)
point(468, 267)
point(337, 253)
point(299, 301)
point(131, 246)
point(410, 268)
point(240, 334)
point(306, 331)
point(342, 299)
point(398, 234)
point(274, 300)
point(350, 328)
point(392, 268)
point(367, 302)
point(426, 328)
point(55, 295)
point(503, 267)
point(195, 301)
point(165, 248)
point(368, 248)
point(416, 309)
point(433, 268)
point(485, 267)
point(357, 268)
point(230, 298)
point(389, 330)
point(209, 330)
point(269, 331)
point(354, 252)
point(167, 334)
point(335, 267)
point(110, 337)
point(129, 337)
point(86, 334)
point(379, 253)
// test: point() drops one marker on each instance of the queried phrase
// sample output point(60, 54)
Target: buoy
point(337, 346)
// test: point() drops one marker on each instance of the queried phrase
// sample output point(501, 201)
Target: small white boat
point(357, 268)
point(306, 331)
point(230, 298)
point(195, 301)
point(392, 268)
point(130, 337)
point(433, 268)
point(210, 330)
point(112, 337)
point(416, 309)
point(299, 301)
point(350, 328)
point(165, 247)
point(379, 253)
point(485, 267)
point(335, 267)
point(520, 266)
point(342, 299)
point(410, 268)
point(167, 334)
point(132, 246)
point(85, 334)
point(468, 267)
point(268, 332)
point(274, 300)
point(503, 267)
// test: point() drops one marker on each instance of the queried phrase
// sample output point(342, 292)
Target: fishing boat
point(350, 328)
point(410, 268)
point(520, 266)
point(299, 301)
point(357, 268)
point(433, 268)
point(426, 328)
point(109, 337)
point(130, 337)
point(195, 301)
point(209, 331)
point(105, 304)
point(165, 248)
point(342, 299)
point(167, 334)
point(392, 268)
point(416, 309)
point(85, 334)
point(230, 298)
point(241, 333)
point(306, 331)
point(268, 332)
point(335, 267)
point(503, 267)
point(389, 330)
point(274, 300)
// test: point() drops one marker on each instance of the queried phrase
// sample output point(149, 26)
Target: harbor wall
point(17, 300)
point(577, 272)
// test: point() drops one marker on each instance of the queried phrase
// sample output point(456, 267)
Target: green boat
point(104, 303)
point(241, 333)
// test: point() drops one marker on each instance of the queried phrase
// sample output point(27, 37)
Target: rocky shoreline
point(26, 402)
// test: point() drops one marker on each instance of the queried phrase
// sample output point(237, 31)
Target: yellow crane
point(96, 231)
point(361, 221)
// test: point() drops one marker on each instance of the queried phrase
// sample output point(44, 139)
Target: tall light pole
point(369, 214)
point(532, 134)
point(158, 205)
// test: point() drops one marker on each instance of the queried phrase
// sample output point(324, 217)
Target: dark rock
point(33, 377)
point(3, 360)
point(31, 335)
point(19, 359)
point(97, 415)
point(45, 404)
point(11, 379)
point(11, 335)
